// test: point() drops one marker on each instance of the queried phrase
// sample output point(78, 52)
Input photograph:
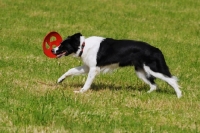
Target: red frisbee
point(51, 40)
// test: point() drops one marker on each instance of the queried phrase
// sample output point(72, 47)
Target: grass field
point(31, 101)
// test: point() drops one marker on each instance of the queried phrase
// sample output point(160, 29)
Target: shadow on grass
point(116, 87)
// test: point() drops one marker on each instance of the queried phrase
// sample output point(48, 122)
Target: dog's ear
point(78, 34)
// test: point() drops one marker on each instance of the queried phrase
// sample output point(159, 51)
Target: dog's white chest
point(90, 51)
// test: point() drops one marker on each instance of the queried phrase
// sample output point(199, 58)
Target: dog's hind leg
point(74, 71)
point(148, 79)
point(91, 75)
point(172, 81)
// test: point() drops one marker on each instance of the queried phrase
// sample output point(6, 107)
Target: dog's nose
point(52, 51)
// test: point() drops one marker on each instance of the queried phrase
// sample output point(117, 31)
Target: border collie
point(105, 54)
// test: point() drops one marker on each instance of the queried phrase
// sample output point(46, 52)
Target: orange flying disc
point(51, 40)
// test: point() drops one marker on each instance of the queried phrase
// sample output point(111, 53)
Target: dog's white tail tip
point(179, 95)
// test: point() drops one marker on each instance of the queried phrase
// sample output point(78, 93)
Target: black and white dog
point(105, 54)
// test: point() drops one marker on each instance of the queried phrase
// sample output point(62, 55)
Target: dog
point(101, 54)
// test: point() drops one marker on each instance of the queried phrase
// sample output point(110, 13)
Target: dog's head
point(68, 46)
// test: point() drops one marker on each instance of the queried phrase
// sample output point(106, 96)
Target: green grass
point(31, 101)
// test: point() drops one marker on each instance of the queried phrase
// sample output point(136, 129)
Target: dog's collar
point(82, 47)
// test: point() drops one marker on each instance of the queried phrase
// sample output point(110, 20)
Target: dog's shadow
point(100, 86)
point(114, 87)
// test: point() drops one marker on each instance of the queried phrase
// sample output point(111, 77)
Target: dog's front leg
point(74, 71)
point(91, 75)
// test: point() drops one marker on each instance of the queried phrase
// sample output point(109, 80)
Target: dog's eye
point(61, 46)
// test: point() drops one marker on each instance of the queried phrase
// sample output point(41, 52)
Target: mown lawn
point(31, 101)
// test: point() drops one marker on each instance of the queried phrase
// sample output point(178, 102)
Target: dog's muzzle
point(58, 55)
point(53, 51)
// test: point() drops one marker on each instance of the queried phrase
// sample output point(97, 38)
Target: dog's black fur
point(131, 53)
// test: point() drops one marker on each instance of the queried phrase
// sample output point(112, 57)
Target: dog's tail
point(161, 64)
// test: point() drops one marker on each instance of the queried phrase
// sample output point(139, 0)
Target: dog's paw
point(60, 80)
point(80, 91)
point(151, 90)
point(179, 94)
point(77, 92)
